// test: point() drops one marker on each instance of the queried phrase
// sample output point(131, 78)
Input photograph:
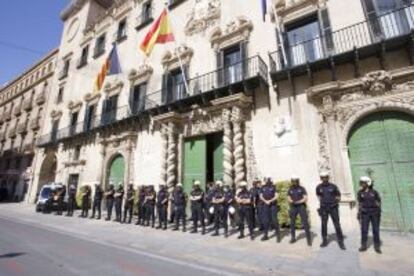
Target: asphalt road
point(30, 250)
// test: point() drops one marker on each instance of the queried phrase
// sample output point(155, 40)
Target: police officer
point(268, 197)
point(329, 197)
point(141, 209)
point(162, 207)
point(179, 200)
point(129, 202)
point(85, 201)
point(297, 197)
point(197, 212)
point(109, 196)
point(97, 201)
point(119, 195)
point(71, 200)
point(255, 191)
point(218, 201)
point(207, 202)
point(149, 205)
point(245, 200)
point(369, 212)
point(61, 192)
point(228, 205)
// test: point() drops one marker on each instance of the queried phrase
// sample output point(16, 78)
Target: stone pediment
point(92, 97)
point(204, 14)
point(55, 114)
point(141, 74)
point(113, 88)
point(235, 31)
point(291, 9)
point(74, 105)
point(170, 60)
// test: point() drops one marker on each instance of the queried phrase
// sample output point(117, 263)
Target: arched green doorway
point(116, 170)
point(381, 146)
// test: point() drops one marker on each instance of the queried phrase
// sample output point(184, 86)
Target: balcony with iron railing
point(28, 103)
point(35, 123)
point(22, 127)
point(242, 77)
point(12, 132)
point(7, 114)
point(17, 109)
point(388, 31)
point(144, 19)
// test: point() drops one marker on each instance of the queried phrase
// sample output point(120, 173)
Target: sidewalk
point(245, 256)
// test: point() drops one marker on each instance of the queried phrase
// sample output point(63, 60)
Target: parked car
point(46, 201)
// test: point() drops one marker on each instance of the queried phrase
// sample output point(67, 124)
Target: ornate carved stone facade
point(205, 13)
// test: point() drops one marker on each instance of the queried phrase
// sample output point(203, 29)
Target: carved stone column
point(128, 159)
point(164, 154)
point(172, 155)
point(227, 148)
point(101, 169)
point(238, 145)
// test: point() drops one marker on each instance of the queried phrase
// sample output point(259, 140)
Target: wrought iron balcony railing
point(35, 123)
point(22, 127)
point(376, 30)
point(247, 74)
point(28, 104)
point(17, 110)
point(41, 98)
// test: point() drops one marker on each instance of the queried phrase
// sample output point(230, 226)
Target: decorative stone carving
point(74, 106)
point(142, 74)
point(377, 82)
point(251, 162)
point(172, 156)
point(227, 148)
point(296, 8)
point(324, 156)
point(164, 153)
point(238, 145)
point(204, 14)
point(55, 114)
point(92, 97)
point(202, 122)
point(235, 31)
point(170, 60)
point(113, 88)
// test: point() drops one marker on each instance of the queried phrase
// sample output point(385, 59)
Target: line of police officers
point(256, 207)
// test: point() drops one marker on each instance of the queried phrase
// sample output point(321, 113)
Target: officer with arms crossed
point(141, 209)
point(329, 197)
point(197, 212)
point(85, 201)
point(71, 200)
point(245, 200)
point(297, 198)
point(97, 200)
point(218, 205)
point(109, 195)
point(269, 196)
point(119, 195)
point(162, 207)
point(129, 202)
point(369, 212)
point(149, 205)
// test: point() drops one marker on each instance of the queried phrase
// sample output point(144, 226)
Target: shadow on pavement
point(11, 255)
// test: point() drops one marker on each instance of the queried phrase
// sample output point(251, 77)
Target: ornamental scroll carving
point(204, 14)
point(235, 31)
point(202, 122)
point(141, 74)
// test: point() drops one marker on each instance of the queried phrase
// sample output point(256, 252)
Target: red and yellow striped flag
point(110, 67)
point(160, 32)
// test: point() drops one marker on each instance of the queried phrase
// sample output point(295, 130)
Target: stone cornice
point(55, 114)
point(235, 31)
point(74, 106)
point(113, 88)
point(170, 60)
point(76, 5)
point(141, 74)
point(91, 98)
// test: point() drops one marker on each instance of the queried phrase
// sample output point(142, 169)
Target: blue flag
point(114, 64)
point(264, 9)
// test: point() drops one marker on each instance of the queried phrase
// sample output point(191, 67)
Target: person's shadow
point(12, 255)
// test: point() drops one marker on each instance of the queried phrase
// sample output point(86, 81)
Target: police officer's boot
point(241, 236)
point(292, 240)
point(309, 241)
point(363, 248)
point(203, 231)
point(378, 249)
point(278, 237)
point(324, 242)
point(341, 245)
point(184, 226)
point(265, 236)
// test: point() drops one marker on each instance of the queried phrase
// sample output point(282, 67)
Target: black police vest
point(179, 199)
point(297, 193)
point(196, 194)
point(245, 195)
point(162, 195)
point(111, 195)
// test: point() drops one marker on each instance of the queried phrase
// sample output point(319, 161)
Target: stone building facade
point(317, 85)
point(22, 110)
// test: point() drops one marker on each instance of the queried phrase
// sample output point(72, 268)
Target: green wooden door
point(116, 171)
point(382, 146)
point(195, 164)
point(217, 141)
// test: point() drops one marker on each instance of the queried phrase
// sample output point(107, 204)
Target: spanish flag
point(110, 67)
point(160, 32)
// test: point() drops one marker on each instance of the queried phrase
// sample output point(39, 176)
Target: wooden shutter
point(164, 89)
point(220, 69)
point(243, 59)
point(185, 79)
point(325, 24)
point(86, 123)
point(142, 96)
point(131, 101)
point(104, 114)
point(372, 18)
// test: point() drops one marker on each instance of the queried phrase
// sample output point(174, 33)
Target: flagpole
point(178, 54)
point(282, 46)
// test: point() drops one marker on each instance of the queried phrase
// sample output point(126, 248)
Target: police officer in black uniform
point(228, 205)
point(369, 213)
point(255, 191)
point(97, 201)
point(329, 197)
point(61, 193)
point(85, 201)
point(119, 195)
point(149, 205)
point(268, 197)
point(245, 200)
point(109, 196)
point(218, 201)
point(179, 200)
point(207, 202)
point(297, 197)
point(197, 210)
point(162, 207)
point(71, 200)
point(129, 203)
point(141, 209)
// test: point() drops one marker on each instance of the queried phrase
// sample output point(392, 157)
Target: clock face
point(73, 29)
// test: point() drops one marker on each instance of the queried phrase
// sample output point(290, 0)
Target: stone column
point(227, 148)
point(101, 167)
point(164, 154)
point(238, 145)
point(172, 156)
point(128, 159)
